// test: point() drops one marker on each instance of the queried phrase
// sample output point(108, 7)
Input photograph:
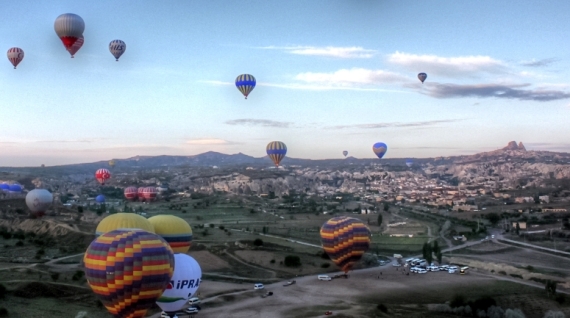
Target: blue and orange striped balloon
point(345, 240)
point(276, 151)
point(128, 270)
point(380, 149)
point(245, 83)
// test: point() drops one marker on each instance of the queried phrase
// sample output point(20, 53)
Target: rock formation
point(513, 146)
point(521, 146)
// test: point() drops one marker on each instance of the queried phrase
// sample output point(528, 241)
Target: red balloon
point(102, 175)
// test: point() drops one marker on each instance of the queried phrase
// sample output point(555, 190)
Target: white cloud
point(328, 51)
point(448, 66)
point(352, 77)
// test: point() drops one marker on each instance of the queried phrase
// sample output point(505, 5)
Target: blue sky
point(331, 76)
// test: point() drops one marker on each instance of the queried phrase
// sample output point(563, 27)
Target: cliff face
point(512, 145)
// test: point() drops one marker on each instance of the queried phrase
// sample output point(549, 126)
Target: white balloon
point(183, 284)
point(39, 200)
point(117, 48)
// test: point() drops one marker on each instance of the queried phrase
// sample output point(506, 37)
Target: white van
point(324, 277)
point(258, 286)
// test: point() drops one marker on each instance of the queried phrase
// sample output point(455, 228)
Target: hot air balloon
point(117, 48)
point(345, 153)
point(380, 149)
point(245, 83)
point(5, 187)
point(100, 198)
point(345, 240)
point(140, 193)
point(174, 230)
point(150, 193)
point(38, 201)
point(123, 221)
point(183, 284)
point(15, 188)
point(102, 175)
point(409, 162)
point(15, 56)
point(422, 77)
point(112, 163)
point(128, 270)
point(130, 193)
point(276, 151)
point(76, 46)
point(69, 27)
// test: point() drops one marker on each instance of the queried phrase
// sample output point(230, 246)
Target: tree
point(292, 261)
point(438, 256)
point(54, 276)
point(550, 287)
point(518, 228)
point(379, 219)
point(386, 207)
point(79, 209)
point(2, 291)
point(554, 314)
point(435, 248)
point(494, 218)
point(258, 242)
point(514, 313)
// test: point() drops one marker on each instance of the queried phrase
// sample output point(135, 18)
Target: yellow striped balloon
point(128, 270)
point(276, 151)
point(345, 240)
point(174, 230)
point(123, 221)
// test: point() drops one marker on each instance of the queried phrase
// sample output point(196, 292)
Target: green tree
point(435, 247)
point(439, 256)
point(54, 276)
point(386, 207)
point(379, 219)
point(518, 228)
point(550, 287)
point(292, 261)
point(494, 218)
point(2, 291)
point(79, 209)
point(258, 242)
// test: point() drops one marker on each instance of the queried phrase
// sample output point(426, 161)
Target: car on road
point(194, 301)
point(258, 286)
point(396, 264)
point(191, 310)
point(291, 282)
point(165, 315)
point(451, 271)
point(493, 236)
point(324, 277)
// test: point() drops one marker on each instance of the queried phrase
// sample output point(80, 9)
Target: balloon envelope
point(183, 284)
point(117, 48)
point(150, 193)
point(276, 151)
point(130, 193)
point(245, 83)
point(69, 27)
point(345, 153)
point(15, 56)
point(76, 46)
point(128, 270)
point(140, 193)
point(38, 201)
point(102, 175)
point(100, 198)
point(15, 188)
point(174, 230)
point(422, 77)
point(345, 240)
point(409, 162)
point(123, 221)
point(380, 149)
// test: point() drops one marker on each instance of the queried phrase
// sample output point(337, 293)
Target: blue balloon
point(5, 186)
point(409, 162)
point(100, 198)
point(380, 149)
point(15, 188)
point(245, 83)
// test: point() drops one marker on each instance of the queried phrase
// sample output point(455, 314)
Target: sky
point(332, 75)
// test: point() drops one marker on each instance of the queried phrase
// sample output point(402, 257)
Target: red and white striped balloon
point(15, 56)
point(150, 193)
point(131, 193)
point(102, 175)
point(76, 46)
point(140, 193)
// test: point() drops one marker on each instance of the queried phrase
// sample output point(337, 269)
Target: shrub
point(325, 265)
point(221, 227)
point(560, 298)
point(516, 276)
point(78, 275)
point(292, 261)
point(3, 312)
point(7, 235)
point(19, 243)
point(502, 272)
point(382, 308)
point(514, 313)
point(258, 242)
point(554, 314)
point(272, 261)
point(529, 268)
point(324, 255)
point(54, 276)
point(2, 291)
point(457, 301)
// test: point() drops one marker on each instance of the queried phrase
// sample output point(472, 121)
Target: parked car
point(451, 271)
point(324, 277)
point(194, 301)
point(291, 282)
point(421, 271)
point(165, 315)
point(258, 286)
point(396, 264)
point(191, 310)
